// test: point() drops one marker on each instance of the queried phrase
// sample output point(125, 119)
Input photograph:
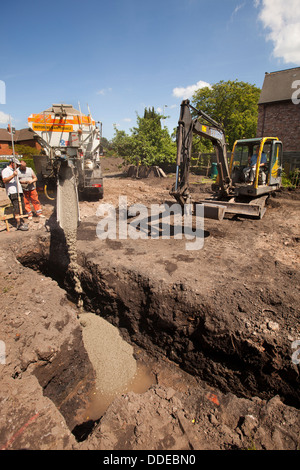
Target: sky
point(117, 57)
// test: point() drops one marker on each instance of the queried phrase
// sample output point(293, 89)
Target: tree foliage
point(122, 144)
point(26, 150)
point(148, 144)
point(106, 146)
point(233, 104)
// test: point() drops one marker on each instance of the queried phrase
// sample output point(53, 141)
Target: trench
point(177, 325)
point(117, 371)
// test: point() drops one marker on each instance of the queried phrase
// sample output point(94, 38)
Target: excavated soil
point(213, 328)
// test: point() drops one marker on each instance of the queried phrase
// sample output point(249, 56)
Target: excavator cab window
point(267, 150)
point(240, 161)
point(241, 154)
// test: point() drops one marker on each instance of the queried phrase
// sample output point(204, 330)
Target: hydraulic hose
point(47, 195)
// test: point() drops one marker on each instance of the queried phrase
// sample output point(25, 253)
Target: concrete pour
point(68, 216)
point(111, 356)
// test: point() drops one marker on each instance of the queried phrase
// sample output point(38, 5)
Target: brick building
point(279, 116)
point(21, 137)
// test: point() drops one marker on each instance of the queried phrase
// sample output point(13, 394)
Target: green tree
point(233, 104)
point(148, 143)
point(26, 150)
point(106, 146)
point(122, 144)
point(152, 144)
point(27, 153)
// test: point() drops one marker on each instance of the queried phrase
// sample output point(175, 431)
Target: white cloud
point(167, 108)
point(234, 14)
point(127, 119)
point(281, 20)
point(185, 93)
point(237, 9)
point(104, 91)
point(4, 118)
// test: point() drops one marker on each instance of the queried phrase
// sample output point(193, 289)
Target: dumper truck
point(70, 144)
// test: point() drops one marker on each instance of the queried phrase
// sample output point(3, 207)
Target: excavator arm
point(210, 129)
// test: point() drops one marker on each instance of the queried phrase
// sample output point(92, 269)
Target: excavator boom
point(204, 126)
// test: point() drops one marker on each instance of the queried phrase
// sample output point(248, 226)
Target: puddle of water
point(100, 401)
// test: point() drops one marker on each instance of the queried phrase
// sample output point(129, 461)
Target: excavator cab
point(256, 166)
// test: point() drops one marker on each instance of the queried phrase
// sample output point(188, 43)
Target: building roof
point(277, 86)
point(4, 135)
point(20, 135)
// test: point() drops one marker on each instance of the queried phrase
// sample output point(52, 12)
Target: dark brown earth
point(214, 326)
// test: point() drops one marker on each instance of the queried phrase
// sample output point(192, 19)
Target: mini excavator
point(232, 193)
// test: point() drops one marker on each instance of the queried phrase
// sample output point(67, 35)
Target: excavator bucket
point(212, 211)
point(253, 207)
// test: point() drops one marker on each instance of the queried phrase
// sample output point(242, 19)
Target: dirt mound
point(113, 165)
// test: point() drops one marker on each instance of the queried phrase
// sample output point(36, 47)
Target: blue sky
point(120, 56)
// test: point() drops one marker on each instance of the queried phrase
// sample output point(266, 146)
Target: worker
point(28, 179)
point(15, 192)
point(249, 172)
